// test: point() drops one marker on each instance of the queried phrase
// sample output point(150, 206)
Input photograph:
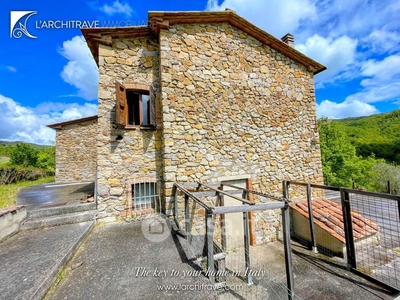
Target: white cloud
point(12, 69)
point(382, 82)
point(277, 17)
point(335, 54)
point(378, 93)
point(117, 8)
point(20, 123)
point(348, 108)
point(353, 18)
point(383, 70)
point(383, 41)
point(8, 68)
point(81, 70)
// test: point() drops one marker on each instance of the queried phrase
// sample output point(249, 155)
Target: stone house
point(194, 96)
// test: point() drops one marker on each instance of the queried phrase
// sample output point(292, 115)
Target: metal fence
point(378, 258)
point(226, 262)
point(359, 226)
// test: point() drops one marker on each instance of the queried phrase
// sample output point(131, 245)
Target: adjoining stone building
point(195, 96)
point(76, 153)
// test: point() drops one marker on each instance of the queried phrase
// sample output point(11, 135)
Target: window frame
point(122, 107)
point(146, 200)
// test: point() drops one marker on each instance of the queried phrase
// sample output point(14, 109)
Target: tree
point(340, 163)
point(47, 158)
point(24, 155)
point(382, 173)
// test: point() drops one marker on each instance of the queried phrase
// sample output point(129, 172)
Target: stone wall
point(76, 152)
point(125, 154)
point(10, 220)
point(233, 106)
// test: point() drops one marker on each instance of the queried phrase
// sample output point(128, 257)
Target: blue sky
point(53, 78)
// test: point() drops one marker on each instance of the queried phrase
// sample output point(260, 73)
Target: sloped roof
point(162, 20)
point(71, 122)
point(328, 215)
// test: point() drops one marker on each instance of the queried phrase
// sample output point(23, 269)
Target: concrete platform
point(110, 258)
point(119, 262)
point(31, 260)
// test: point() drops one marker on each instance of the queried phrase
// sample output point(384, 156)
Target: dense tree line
point(377, 135)
point(342, 163)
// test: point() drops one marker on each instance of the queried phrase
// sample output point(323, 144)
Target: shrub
point(24, 155)
point(11, 174)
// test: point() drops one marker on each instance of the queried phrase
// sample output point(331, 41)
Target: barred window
point(144, 195)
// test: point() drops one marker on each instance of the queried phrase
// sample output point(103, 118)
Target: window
point(138, 108)
point(145, 195)
point(136, 105)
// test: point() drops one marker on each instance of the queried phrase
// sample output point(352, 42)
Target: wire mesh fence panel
point(265, 282)
point(226, 259)
point(322, 230)
point(376, 231)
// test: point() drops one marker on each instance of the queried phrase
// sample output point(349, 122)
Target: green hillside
point(376, 134)
point(7, 146)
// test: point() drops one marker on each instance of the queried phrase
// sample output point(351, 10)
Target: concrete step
point(60, 210)
point(56, 220)
point(32, 260)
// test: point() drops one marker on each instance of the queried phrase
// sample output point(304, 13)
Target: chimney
point(288, 39)
point(231, 10)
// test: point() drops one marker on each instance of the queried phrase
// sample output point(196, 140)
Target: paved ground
point(111, 256)
point(30, 260)
point(52, 194)
point(119, 262)
point(122, 261)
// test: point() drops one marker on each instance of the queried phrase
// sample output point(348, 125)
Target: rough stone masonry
point(229, 104)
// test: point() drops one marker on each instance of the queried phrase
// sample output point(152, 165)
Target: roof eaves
point(235, 20)
point(71, 122)
point(162, 20)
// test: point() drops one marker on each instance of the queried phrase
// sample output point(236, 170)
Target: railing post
point(210, 247)
point(285, 189)
point(311, 219)
point(246, 232)
point(95, 188)
point(348, 229)
point(287, 249)
point(175, 211)
point(389, 188)
point(187, 219)
point(223, 225)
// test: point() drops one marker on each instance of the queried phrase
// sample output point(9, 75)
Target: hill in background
point(377, 135)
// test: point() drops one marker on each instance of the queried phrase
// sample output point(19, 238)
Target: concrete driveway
point(52, 194)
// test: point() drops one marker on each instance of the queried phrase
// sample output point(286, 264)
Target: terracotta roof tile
point(328, 216)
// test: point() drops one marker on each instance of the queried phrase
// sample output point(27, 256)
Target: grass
point(8, 193)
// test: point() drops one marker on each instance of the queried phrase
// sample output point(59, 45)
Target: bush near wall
point(11, 174)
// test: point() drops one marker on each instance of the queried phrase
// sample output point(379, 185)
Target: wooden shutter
point(154, 90)
point(121, 105)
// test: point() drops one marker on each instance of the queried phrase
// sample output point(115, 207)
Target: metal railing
point(373, 255)
point(212, 211)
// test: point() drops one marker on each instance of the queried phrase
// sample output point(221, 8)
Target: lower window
point(145, 195)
